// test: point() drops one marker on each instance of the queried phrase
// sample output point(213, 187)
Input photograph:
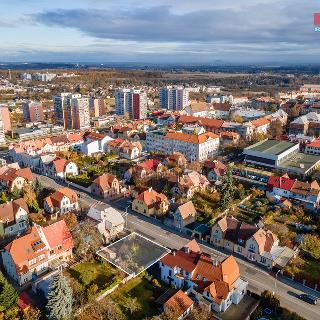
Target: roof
point(9, 210)
point(314, 144)
point(265, 240)
point(206, 122)
point(191, 138)
point(260, 122)
point(187, 210)
point(151, 198)
point(60, 164)
point(283, 182)
point(222, 106)
point(58, 234)
point(54, 200)
point(104, 181)
point(274, 147)
point(179, 302)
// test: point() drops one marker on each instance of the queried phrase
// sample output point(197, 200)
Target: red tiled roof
point(283, 182)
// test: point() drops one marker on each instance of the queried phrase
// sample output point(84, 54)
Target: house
point(175, 302)
point(313, 147)
point(59, 168)
point(94, 143)
point(60, 202)
point(183, 215)
point(14, 217)
point(212, 284)
point(40, 250)
point(126, 149)
point(144, 170)
point(229, 138)
point(189, 183)
point(150, 203)
point(261, 125)
point(306, 193)
point(255, 244)
point(177, 159)
point(214, 170)
point(108, 220)
point(11, 177)
point(222, 110)
point(106, 186)
point(200, 109)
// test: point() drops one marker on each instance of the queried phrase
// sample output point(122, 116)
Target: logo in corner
point(316, 22)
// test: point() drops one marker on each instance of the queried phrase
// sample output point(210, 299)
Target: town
point(179, 201)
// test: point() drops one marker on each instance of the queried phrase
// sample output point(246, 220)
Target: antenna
point(9, 74)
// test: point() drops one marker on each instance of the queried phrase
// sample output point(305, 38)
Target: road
point(259, 279)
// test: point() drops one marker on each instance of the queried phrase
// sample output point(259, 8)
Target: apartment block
point(175, 98)
point(5, 116)
point(97, 107)
point(33, 111)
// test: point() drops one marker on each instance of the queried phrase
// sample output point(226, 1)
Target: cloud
point(282, 21)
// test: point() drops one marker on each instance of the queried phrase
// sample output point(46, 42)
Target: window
point(32, 261)
point(263, 259)
point(41, 257)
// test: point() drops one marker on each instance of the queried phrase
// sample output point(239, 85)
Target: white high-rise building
point(131, 101)
point(173, 97)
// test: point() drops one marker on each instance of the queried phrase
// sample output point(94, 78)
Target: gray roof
point(271, 146)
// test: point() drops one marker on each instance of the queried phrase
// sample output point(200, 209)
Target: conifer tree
point(226, 190)
point(59, 306)
point(8, 295)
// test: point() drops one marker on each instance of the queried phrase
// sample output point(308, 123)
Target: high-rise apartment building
point(72, 111)
point(175, 98)
point(97, 107)
point(132, 102)
point(5, 115)
point(33, 111)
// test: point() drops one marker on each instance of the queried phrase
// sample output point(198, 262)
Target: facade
point(59, 168)
point(5, 116)
point(97, 107)
point(11, 177)
point(214, 170)
point(60, 202)
point(94, 143)
point(14, 217)
point(150, 203)
point(195, 147)
point(132, 102)
point(59, 105)
point(33, 111)
point(41, 249)
point(175, 98)
point(215, 285)
point(183, 215)
point(126, 149)
point(313, 147)
point(106, 186)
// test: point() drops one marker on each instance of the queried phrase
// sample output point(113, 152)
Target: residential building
point(132, 102)
point(144, 170)
point(33, 111)
point(106, 186)
point(222, 110)
point(14, 217)
point(60, 202)
point(5, 116)
point(212, 284)
point(183, 215)
point(108, 220)
point(59, 105)
point(176, 159)
point(97, 107)
point(200, 109)
point(94, 143)
point(59, 168)
point(195, 147)
point(255, 244)
point(77, 113)
point(214, 170)
point(125, 148)
point(210, 125)
point(261, 125)
point(39, 251)
point(150, 203)
point(306, 193)
point(313, 147)
point(11, 177)
point(175, 98)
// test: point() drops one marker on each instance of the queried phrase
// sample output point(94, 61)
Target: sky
point(159, 31)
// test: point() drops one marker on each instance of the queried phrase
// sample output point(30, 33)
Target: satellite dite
point(316, 22)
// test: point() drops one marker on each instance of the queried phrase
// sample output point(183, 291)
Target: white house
point(95, 143)
point(108, 220)
point(59, 168)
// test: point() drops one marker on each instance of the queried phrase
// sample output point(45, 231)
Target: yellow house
point(150, 203)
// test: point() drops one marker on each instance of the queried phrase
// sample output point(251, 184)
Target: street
point(259, 279)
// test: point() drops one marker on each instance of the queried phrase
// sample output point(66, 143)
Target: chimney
point(174, 253)
point(215, 262)
point(187, 249)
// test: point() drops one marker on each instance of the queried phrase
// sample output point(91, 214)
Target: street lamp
point(275, 283)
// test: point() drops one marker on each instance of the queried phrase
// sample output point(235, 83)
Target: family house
point(12, 178)
point(125, 148)
point(14, 217)
point(215, 285)
point(214, 170)
point(106, 186)
point(183, 215)
point(41, 249)
point(94, 143)
point(59, 168)
point(150, 203)
point(60, 202)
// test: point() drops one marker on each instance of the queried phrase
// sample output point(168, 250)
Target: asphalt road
point(259, 279)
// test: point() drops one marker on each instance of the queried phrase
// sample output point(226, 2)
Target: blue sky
point(159, 31)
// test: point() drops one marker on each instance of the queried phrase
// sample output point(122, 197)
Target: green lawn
point(145, 293)
point(88, 273)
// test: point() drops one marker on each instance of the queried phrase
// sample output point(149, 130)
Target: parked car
point(308, 298)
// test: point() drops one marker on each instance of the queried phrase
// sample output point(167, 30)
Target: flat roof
point(271, 146)
point(300, 162)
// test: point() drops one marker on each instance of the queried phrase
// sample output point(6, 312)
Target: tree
point(226, 190)
point(31, 198)
point(32, 313)
point(15, 193)
point(71, 220)
point(59, 306)
point(199, 314)
point(276, 128)
point(311, 244)
point(270, 300)
point(132, 305)
point(3, 198)
point(87, 240)
point(8, 295)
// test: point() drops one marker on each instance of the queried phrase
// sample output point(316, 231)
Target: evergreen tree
point(8, 295)
point(59, 306)
point(15, 193)
point(3, 198)
point(226, 190)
